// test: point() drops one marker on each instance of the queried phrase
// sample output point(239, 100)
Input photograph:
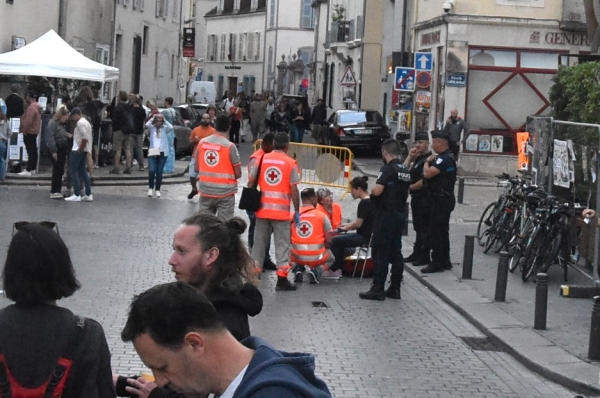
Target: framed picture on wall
point(484, 143)
point(497, 143)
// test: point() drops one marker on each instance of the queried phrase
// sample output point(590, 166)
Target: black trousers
point(234, 132)
point(420, 210)
point(58, 169)
point(30, 141)
point(455, 149)
point(439, 227)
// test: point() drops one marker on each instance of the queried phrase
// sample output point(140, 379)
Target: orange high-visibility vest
point(258, 154)
point(336, 214)
point(308, 238)
point(274, 184)
point(216, 175)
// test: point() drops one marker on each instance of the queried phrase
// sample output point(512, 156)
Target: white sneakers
point(26, 173)
point(56, 195)
point(84, 198)
point(153, 192)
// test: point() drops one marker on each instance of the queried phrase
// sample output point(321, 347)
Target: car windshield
point(357, 117)
point(186, 114)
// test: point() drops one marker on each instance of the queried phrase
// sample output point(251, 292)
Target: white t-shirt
point(228, 393)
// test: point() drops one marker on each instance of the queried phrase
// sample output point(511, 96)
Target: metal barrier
point(329, 166)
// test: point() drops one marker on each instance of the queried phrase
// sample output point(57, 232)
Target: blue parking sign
point(404, 79)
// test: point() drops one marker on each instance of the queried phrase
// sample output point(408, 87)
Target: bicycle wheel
point(484, 224)
point(507, 229)
point(515, 249)
point(553, 251)
point(526, 262)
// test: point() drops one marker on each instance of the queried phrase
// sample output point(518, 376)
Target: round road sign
point(423, 79)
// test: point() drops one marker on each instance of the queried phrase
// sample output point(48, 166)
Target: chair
point(366, 249)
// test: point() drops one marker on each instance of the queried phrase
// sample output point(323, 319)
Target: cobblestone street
point(121, 243)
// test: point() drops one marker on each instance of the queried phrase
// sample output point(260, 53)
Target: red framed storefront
point(504, 86)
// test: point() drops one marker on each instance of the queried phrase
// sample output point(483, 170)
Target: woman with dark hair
point(40, 340)
point(280, 119)
point(209, 255)
point(300, 117)
point(363, 224)
point(57, 140)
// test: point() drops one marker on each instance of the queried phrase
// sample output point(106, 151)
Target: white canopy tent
point(51, 56)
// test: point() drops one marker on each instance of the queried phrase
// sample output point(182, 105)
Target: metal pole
point(467, 271)
point(502, 277)
point(594, 346)
point(541, 302)
point(461, 189)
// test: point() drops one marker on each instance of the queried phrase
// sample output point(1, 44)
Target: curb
point(579, 386)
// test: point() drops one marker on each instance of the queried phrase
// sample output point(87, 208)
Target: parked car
point(200, 108)
point(191, 118)
point(182, 136)
point(357, 129)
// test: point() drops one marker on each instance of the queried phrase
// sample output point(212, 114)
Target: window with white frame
point(172, 66)
point(272, 13)
point(102, 53)
point(160, 8)
point(250, 47)
point(308, 16)
point(156, 64)
point(257, 40)
point(176, 10)
point(211, 47)
point(223, 47)
point(241, 44)
point(270, 60)
point(232, 45)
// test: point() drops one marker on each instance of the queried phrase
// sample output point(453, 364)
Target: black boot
point(413, 256)
point(284, 285)
point(269, 264)
point(423, 259)
point(374, 293)
point(432, 267)
point(393, 292)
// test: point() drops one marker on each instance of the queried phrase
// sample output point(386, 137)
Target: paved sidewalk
point(560, 352)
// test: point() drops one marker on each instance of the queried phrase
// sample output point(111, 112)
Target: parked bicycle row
point(531, 225)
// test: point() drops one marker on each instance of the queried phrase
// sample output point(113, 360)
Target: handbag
point(250, 199)
point(153, 152)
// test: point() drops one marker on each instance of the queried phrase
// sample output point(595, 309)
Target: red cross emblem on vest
point(304, 229)
point(211, 158)
point(273, 175)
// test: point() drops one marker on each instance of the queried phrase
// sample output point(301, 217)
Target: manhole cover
point(481, 344)
point(319, 304)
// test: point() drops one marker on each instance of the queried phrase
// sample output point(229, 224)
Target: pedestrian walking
point(278, 181)
point(419, 202)
point(203, 130)
point(280, 121)
point(82, 145)
point(122, 125)
point(300, 117)
point(318, 122)
point(30, 127)
point(57, 140)
point(235, 113)
point(43, 344)
point(137, 138)
point(170, 115)
point(5, 133)
point(389, 197)
point(219, 168)
point(258, 114)
point(456, 128)
point(157, 149)
point(440, 173)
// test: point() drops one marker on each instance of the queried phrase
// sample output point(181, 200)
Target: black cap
point(75, 111)
point(422, 136)
point(440, 134)
point(32, 94)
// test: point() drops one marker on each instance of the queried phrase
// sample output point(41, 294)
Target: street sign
point(456, 79)
point(348, 77)
point(189, 42)
point(404, 79)
point(423, 79)
point(423, 61)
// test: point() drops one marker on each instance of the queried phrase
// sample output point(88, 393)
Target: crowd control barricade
point(324, 165)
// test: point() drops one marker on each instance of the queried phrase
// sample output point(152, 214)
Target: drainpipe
point(362, 56)
point(62, 6)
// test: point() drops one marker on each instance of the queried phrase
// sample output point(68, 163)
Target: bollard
point(461, 189)
point(541, 301)
point(502, 277)
point(467, 271)
point(594, 348)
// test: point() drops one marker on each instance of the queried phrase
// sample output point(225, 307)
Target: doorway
point(137, 64)
point(232, 84)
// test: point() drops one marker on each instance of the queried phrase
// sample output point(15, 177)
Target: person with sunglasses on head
point(45, 347)
point(209, 255)
point(158, 150)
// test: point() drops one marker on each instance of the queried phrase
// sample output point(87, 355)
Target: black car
point(357, 129)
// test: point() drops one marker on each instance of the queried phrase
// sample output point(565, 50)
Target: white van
point(202, 92)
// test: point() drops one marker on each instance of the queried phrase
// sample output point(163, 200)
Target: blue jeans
point(296, 134)
point(78, 164)
point(386, 247)
point(339, 243)
point(2, 160)
point(156, 164)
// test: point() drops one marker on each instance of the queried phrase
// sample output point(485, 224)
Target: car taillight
point(339, 131)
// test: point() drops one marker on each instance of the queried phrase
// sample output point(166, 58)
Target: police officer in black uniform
point(439, 172)
point(389, 199)
point(419, 202)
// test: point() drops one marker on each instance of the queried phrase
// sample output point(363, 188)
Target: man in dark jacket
point(207, 358)
point(122, 126)
point(455, 125)
point(318, 120)
point(14, 103)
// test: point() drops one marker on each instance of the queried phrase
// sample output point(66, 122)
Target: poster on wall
point(522, 140)
point(423, 102)
point(497, 143)
point(561, 164)
point(471, 142)
point(457, 59)
point(484, 143)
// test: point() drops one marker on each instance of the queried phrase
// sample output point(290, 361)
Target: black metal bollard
point(594, 347)
point(467, 271)
point(502, 277)
point(461, 189)
point(541, 302)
